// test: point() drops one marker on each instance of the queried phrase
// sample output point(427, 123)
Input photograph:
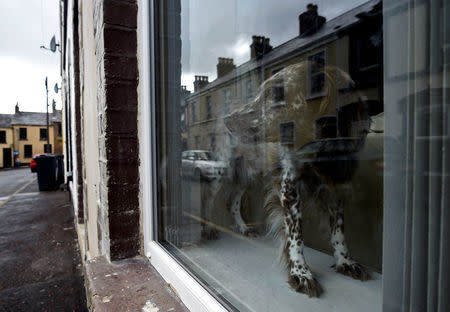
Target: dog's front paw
point(248, 231)
point(305, 283)
point(354, 270)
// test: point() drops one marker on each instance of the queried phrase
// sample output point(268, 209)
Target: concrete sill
point(128, 285)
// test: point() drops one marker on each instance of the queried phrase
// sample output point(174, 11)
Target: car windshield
point(206, 156)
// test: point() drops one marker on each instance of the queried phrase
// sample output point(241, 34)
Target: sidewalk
point(40, 266)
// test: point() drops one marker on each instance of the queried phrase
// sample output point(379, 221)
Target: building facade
point(374, 74)
point(24, 134)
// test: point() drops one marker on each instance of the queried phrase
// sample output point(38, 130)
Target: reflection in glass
point(280, 146)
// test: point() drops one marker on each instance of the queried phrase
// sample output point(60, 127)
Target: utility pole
point(48, 132)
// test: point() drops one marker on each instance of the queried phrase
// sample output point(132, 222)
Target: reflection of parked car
point(33, 162)
point(202, 164)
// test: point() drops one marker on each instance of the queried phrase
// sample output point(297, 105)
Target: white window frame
point(308, 80)
point(276, 83)
point(193, 295)
point(227, 101)
point(293, 132)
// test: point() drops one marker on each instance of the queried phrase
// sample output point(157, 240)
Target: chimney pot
point(224, 66)
point(310, 21)
point(260, 46)
point(200, 82)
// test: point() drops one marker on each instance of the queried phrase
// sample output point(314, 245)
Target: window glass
point(280, 202)
point(28, 151)
point(208, 107)
point(2, 136)
point(43, 134)
point(22, 133)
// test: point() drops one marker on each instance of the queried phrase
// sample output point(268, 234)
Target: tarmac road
point(12, 179)
point(40, 265)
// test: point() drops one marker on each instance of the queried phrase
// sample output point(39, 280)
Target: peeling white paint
point(150, 307)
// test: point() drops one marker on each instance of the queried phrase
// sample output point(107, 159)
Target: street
point(40, 265)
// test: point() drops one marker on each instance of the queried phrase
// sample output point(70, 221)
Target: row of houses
point(306, 71)
point(24, 134)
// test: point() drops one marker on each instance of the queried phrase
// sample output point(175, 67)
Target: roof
point(29, 119)
point(296, 45)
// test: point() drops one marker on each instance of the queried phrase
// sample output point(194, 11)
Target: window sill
point(278, 104)
point(315, 96)
point(128, 285)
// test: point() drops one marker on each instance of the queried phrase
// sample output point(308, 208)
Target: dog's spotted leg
point(209, 232)
point(235, 210)
point(301, 278)
point(344, 264)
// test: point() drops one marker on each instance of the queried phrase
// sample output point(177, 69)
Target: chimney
point(54, 106)
point(17, 108)
point(310, 21)
point(224, 66)
point(200, 82)
point(260, 46)
point(184, 92)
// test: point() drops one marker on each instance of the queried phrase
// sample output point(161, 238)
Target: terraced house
point(24, 134)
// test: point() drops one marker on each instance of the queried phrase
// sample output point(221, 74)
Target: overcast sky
point(25, 25)
point(211, 29)
point(219, 28)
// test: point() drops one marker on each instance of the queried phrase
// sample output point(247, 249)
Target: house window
point(227, 101)
point(22, 133)
point(316, 74)
point(197, 142)
point(27, 151)
point(47, 148)
point(208, 107)
point(2, 136)
point(323, 165)
point(212, 142)
point(194, 112)
point(278, 97)
point(43, 134)
point(59, 129)
point(248, 89)
point(287, 133)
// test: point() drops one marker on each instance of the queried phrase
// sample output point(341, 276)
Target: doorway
point(7, 158)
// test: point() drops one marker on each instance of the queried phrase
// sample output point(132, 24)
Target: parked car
point(202, 164)
point(33, 162)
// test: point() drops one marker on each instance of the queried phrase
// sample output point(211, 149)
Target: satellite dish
point(56, 88)
point(53, 44)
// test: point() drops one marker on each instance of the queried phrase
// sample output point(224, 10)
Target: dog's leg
point(208, 230)
point(301, 278)
point(235, 209)
point(344, 264)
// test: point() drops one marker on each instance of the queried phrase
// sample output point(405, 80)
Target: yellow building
point(24, 134)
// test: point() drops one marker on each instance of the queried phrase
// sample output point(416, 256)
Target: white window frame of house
point(278, 83)
point(248, 89)
point(194, 112)
point(308, 81)
point(293, 132)
point(227, 101)
point(194, 296)
point(208, 107)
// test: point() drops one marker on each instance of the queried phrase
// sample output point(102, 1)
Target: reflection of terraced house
point(351, 42)
point(26, 133)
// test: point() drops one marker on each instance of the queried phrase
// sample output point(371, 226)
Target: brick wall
point(116, 50)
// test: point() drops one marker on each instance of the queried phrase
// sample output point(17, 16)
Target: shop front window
point(316, 204)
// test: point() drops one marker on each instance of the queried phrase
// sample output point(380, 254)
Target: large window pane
point(270, 133)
